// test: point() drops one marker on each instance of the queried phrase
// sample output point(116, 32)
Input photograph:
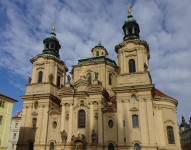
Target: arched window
point(97, 53)
point(58, 81)
point(137, 147)
point(30, 146)
point(130, 31)
point(56, 49)
point(110, 146)
point(170, 135)
point(51, 146)
point(34, 123)
point(52, 45)
point(132, 66)
point(89, 77)
point(36, 105)
point(40, 77)
point(135, 121)
point(47, 46)
point(110, 79)
point(81, 119)
point(102, 53)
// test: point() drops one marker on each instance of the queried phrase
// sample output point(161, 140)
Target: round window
point(54, 124)
point(110, 123)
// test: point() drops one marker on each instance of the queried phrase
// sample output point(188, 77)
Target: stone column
point(91, 122)
point(44, 123)
point(159, 127)
point(120, 122)
point(127, 117)
point(143, 122)
point(177, 131)
point(70, 127)
point(55, 74)
point(63, 116)
point(34, 74)
point(27, 124)
point(100, 124)
point(151, 126)
point(38, 125)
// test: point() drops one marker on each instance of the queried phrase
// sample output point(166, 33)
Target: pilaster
point(120, 122)
point(91, 122)
point(100, 124)
point(70, 127)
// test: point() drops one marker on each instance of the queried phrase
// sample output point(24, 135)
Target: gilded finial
point(53, 28)
point(129, 8)
point(99, 39)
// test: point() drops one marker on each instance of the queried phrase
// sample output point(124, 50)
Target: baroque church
point(102, 105)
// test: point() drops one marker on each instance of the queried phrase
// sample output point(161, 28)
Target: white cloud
point(165, 25)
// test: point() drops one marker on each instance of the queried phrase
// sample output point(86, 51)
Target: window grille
point(170, 135)
point(137, 147)
point(51, 146)
point(34, 123)
point(81, 119)
point(135, 121)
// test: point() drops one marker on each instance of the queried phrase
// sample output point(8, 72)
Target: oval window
point(54, 124)
point(110, 123)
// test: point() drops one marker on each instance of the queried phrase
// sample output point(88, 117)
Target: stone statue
point(29, 80)
point(93, 136)
point(145, 66)
point(68, 78)
point(96, 75)
point(72, 137)
point(63, 136)
point(51, 78)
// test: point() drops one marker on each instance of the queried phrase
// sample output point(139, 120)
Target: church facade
point(102, 105)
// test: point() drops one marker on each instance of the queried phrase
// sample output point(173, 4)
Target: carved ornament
point(169, 121)
point(134, 109)
point(34, 113)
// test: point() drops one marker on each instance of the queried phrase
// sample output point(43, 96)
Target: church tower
point(48, 75)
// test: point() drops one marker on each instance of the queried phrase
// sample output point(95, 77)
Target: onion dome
point(51, 45)
point(184, 124)
point(130, 28)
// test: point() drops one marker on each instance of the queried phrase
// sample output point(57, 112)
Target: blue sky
point(164, 25)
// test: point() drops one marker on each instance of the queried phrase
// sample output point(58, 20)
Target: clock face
point(133, 99)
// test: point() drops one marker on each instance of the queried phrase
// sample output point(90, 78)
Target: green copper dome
point(130, 19)
point(52, 36)
point(130, 28)
point(51, 46)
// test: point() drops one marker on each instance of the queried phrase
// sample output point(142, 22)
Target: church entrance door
point(80, 147)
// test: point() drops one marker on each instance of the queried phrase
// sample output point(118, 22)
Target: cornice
point(166, 99)
point(48, 57)
point(40, 96)
point(136, 88)
point(144, 43)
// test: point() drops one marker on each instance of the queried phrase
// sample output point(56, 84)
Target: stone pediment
point(88, 63)
point(95, 88)
point(34, 113)
point(169, 121)
point(81, 84)
point(134, 109)
point(109, 109)
point(66, 91)
point(54, 111)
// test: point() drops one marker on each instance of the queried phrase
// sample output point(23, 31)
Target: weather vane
point(99, 39)
point(53, 28)
point(129, 8)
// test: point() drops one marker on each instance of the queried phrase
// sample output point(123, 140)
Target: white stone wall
point(12, 141)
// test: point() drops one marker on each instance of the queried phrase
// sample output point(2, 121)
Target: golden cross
point(53, 28)
point(129, 6)
point(99, 39)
